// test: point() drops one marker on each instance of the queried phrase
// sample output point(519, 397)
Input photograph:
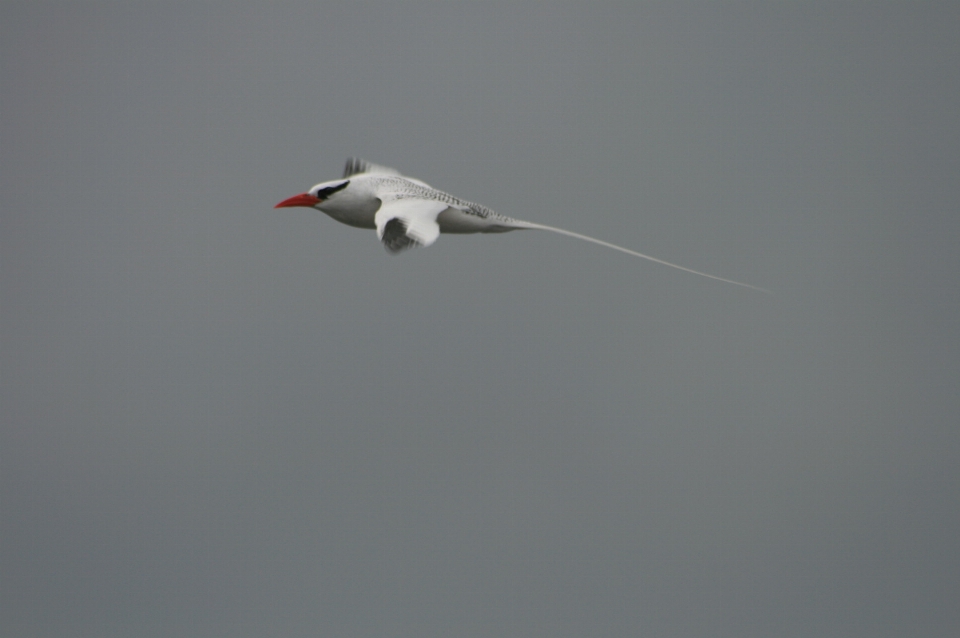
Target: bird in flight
point(408, 213)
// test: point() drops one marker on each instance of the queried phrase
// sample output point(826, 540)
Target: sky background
point(222, 419)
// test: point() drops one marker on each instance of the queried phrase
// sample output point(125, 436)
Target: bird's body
point(407, 212)
point(366, 193)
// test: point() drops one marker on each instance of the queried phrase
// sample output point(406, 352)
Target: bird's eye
point(324, 193)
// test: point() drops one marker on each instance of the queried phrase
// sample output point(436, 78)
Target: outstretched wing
point(408, 222)
point(355, 166)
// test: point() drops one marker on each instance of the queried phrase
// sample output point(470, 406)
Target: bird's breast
point(358, 213)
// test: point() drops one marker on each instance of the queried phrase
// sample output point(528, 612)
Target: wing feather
point(356, 166)
point(408, 223)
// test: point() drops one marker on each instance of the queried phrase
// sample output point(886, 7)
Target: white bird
point(407, 212)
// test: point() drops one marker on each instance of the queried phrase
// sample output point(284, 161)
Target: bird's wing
point(356, 166)
point(522, 224)
point(408, 222)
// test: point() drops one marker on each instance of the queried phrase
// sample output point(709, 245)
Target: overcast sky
point(222, 419)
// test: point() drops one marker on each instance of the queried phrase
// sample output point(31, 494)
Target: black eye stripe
point(324, 193)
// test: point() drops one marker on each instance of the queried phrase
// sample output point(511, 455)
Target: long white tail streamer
point(594, 240)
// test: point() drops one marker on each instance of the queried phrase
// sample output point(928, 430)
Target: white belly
point(359, 215)
point(453, 220)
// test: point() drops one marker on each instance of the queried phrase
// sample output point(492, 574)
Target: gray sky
point(221, 419)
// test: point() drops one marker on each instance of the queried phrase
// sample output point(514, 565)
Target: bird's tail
point(532, 226)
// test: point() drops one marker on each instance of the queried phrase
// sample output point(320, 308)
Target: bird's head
point(317, 196)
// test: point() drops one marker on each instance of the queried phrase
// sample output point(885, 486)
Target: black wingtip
point(395, 237)
point(354, 165)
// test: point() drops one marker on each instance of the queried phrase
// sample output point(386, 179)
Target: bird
point(408, 213)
